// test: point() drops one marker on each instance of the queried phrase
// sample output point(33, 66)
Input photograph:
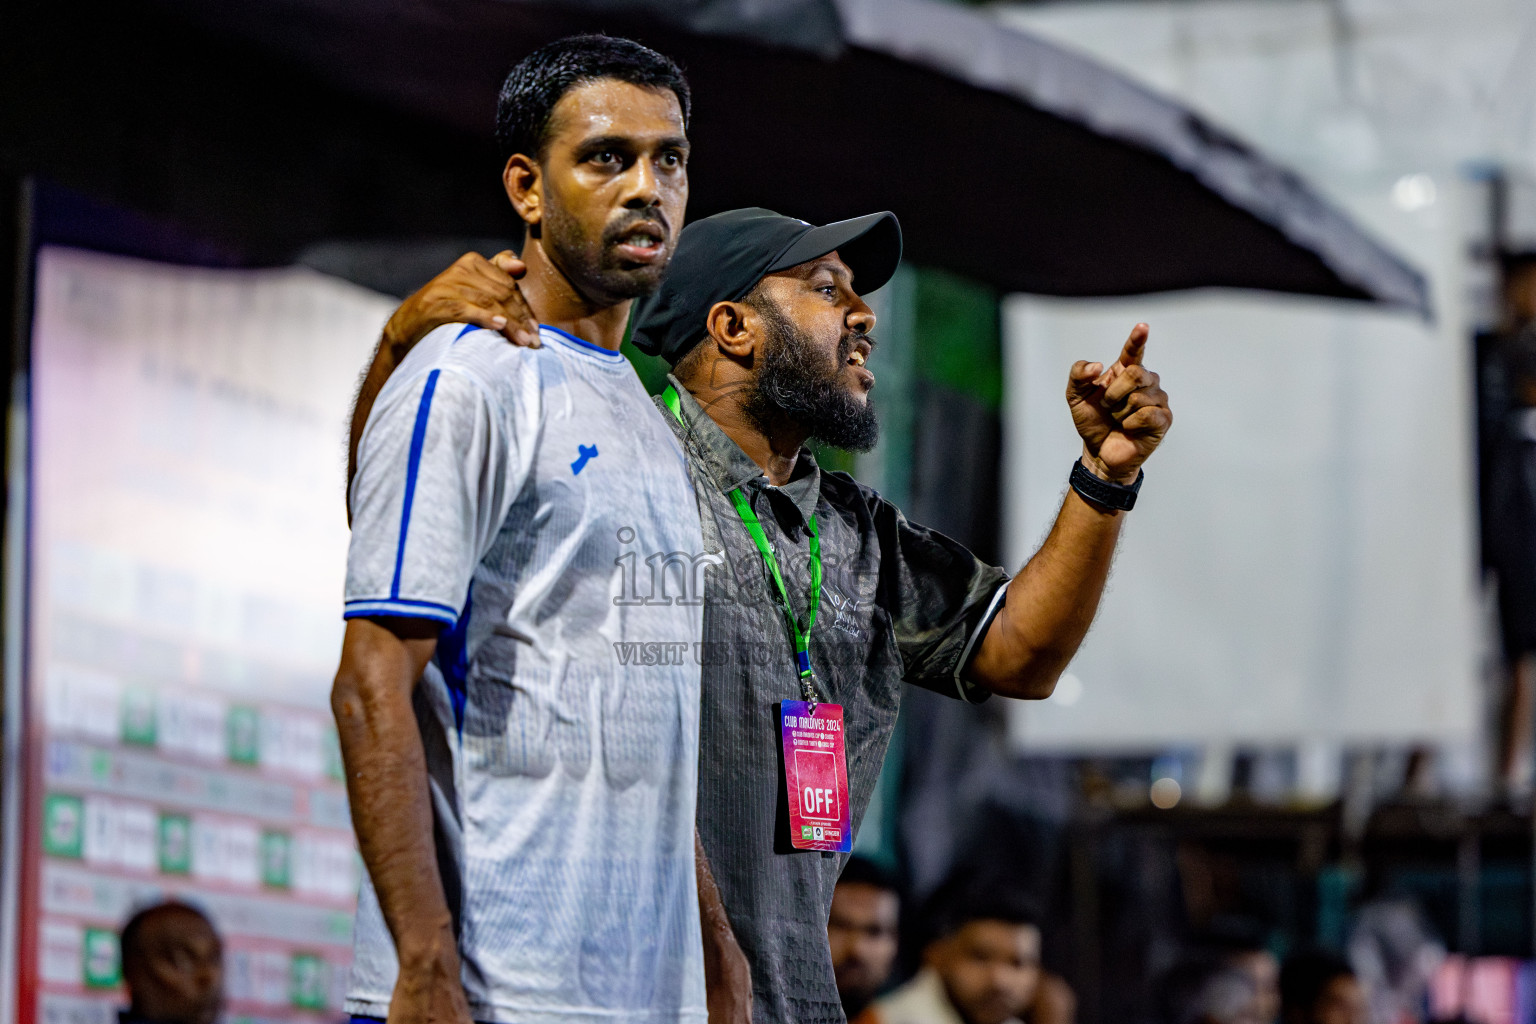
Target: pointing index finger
point(1135, 346)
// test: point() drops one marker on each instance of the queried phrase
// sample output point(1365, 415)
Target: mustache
point(627, 220)
point(852, 338)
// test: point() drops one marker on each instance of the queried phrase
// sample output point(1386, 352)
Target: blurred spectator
point(1320, 988)
point(173, 966)
point(982, 967)
point(861, 930)
point(1507, 488)
point(1204, 989)
point(1395, 957)
point(1244, 944)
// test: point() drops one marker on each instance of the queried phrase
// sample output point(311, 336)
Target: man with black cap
point(761, 317)
point(828, 597)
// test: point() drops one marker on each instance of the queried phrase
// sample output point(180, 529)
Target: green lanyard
point(802, 634)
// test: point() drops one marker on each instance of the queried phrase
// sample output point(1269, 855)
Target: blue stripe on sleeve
point(401, 608)
point(418, 438)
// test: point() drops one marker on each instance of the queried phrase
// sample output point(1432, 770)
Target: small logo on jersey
point(585, 453)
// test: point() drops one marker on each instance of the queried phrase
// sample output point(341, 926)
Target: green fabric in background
point(652, 370)
point(959, 335)
point(888, 469)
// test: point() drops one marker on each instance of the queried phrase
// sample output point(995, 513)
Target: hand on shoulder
point(473, 290)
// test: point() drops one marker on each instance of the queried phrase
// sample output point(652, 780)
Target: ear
point(734, 328)
point(525, 188)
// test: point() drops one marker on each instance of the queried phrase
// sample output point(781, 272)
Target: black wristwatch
point(1103, 492)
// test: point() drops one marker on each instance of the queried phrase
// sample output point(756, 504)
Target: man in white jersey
point(526, 811)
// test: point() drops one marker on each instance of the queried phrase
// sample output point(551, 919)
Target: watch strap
point(1104, 492)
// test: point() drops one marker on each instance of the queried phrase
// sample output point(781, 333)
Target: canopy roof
point(1007, 159)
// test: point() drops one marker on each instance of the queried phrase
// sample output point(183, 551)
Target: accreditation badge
point(816, 772)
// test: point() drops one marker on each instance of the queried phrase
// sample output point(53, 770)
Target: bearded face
point(600, 262)
point(809, 385)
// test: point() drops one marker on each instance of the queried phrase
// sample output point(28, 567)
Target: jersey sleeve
point(941, 599)
point(431, 491)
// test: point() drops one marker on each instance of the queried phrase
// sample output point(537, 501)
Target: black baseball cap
point(721, 259)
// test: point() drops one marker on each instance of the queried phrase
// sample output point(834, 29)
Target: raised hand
point(473, 290)
point(1120, 412)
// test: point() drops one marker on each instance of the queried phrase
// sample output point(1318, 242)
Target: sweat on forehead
point(607, 114)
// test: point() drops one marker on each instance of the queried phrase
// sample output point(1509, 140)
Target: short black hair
point(536, 84)
point(1303, 977)
point(863, 871)
point(966, 897)
point(131, 940)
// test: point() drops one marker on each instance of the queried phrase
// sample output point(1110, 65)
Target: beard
point(593, 265)
point(798, 383)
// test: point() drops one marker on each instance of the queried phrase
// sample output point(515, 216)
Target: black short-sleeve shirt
point(898, 603)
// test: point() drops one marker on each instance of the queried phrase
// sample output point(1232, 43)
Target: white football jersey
point(534, 502)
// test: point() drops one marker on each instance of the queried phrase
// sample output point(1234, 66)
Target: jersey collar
point(570, 341)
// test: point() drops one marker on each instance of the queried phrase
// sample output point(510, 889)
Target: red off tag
point(816, 772)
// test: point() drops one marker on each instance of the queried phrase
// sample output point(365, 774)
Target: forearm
point(727, 976)
point(391, 810)
point(1050, 603)
point(712, 917)
point(1121, 413)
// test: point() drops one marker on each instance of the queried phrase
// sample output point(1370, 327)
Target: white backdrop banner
point(1302, 565)
point(187, 545)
